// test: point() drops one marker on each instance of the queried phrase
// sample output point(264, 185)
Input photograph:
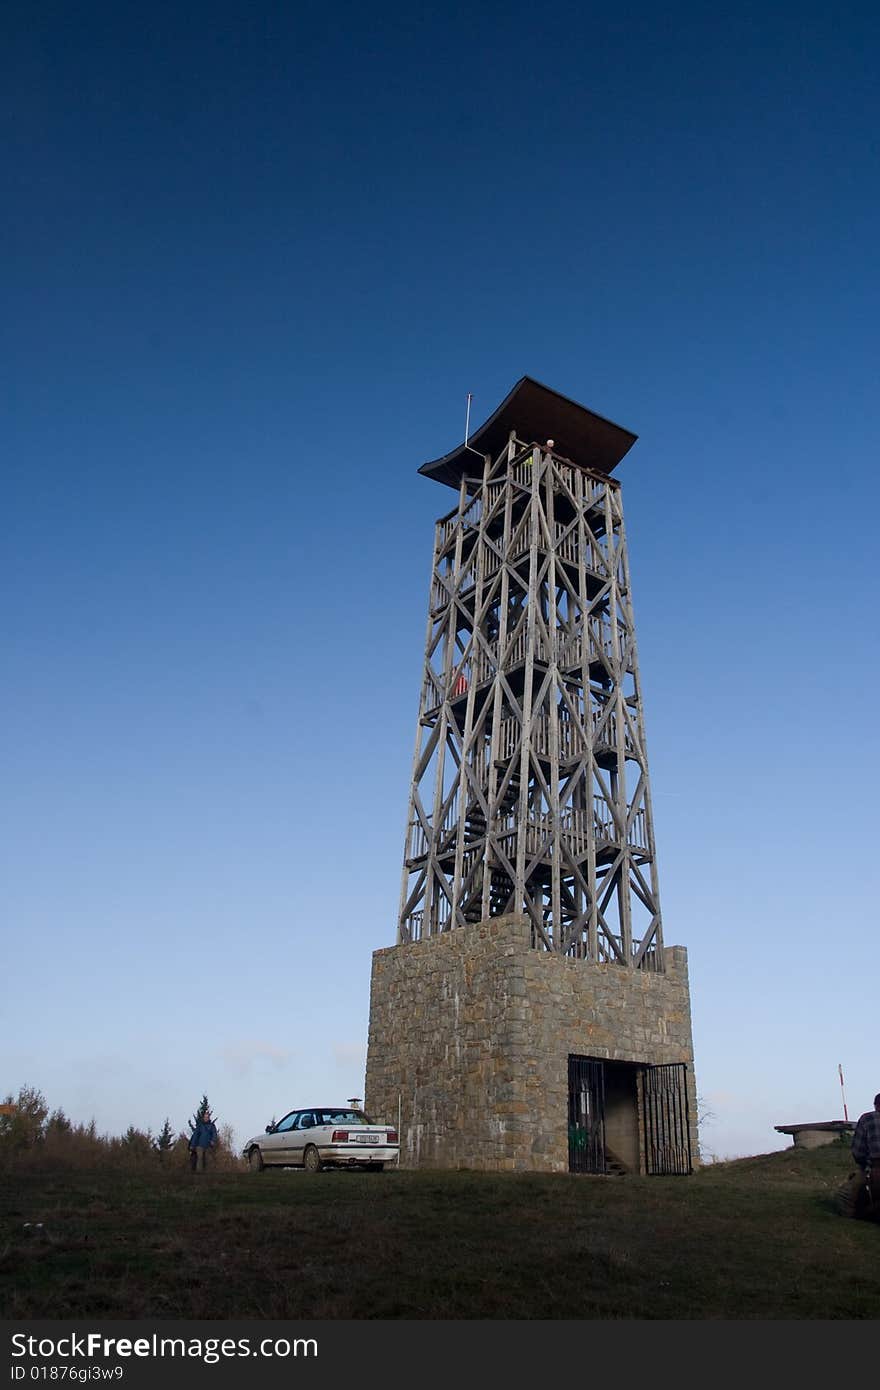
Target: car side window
point(307, 1120)
point(287, 1123)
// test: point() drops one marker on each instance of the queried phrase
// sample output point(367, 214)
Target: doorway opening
point(627, 1117)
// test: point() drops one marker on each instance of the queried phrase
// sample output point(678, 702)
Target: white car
point(323, 1137)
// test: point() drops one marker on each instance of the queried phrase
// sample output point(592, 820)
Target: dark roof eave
point(537, 412)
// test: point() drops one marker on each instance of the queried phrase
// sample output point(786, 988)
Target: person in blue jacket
point(204, 1137)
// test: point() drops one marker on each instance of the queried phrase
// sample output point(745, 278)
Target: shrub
point(21, 1124)
point(31, 1136)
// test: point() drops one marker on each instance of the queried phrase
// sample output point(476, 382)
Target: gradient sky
point(254, 256)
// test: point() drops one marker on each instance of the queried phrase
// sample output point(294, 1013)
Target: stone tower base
point(470, 1037)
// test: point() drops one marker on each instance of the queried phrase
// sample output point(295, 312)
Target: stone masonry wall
point(470, 1034)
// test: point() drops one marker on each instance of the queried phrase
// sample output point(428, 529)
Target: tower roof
point(538, 413)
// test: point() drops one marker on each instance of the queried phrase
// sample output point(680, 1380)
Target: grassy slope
point(757, 1238)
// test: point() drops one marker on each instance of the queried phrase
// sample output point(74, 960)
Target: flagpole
point(842, 1091)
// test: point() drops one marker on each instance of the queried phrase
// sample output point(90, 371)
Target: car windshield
point(343, 1117)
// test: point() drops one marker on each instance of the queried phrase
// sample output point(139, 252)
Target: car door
point(302, 1135)
point(276, 1146)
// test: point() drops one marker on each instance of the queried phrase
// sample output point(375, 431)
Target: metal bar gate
point(666, 1120)
point(586, 1115)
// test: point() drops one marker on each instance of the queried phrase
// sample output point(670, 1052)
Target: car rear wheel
point(255, 1161)
point(312, 1160)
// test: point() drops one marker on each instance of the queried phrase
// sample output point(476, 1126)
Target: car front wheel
point(312, 1160)
point(255, 1161)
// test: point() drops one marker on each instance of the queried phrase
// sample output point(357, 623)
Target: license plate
point(366, 1138)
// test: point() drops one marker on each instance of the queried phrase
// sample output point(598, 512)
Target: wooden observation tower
point(530, 789)
point(530, 1015)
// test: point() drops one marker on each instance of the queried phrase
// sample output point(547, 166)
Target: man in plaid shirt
point(866, 1140)
point(860, 1194)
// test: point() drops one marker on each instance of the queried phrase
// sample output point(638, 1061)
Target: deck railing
point(571, 740)
point(574, 650)
point(610, 944)
point(593, 490)
point(521, 471)
point(481, 667)
point(575, 828)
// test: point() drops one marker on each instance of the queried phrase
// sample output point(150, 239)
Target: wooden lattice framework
point(530, 789)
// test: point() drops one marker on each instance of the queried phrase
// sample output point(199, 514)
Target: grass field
point(757, 1238)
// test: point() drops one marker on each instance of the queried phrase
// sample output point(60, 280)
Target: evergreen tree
point(135, 1142)
point(165, 1139)
point(57, 1125)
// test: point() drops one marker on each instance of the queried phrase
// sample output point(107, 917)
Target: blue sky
point(254, 257)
